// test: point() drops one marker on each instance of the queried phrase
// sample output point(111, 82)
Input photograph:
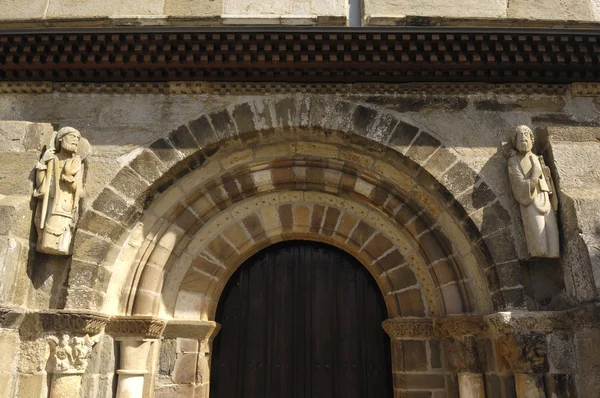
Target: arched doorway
point(301, 319)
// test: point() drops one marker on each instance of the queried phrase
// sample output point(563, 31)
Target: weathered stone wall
point(295, 12)
point(458, 134)
point(474, 124)
point(379, 12)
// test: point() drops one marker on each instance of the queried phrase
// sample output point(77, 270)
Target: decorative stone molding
point(526, 322)
point(584, 89)
point(457, 327)
point(398, 328)
point(494, 325)
point(198, 330)
point(73, 322)
point(70, 355)
point(252, 88)
point(142, 327)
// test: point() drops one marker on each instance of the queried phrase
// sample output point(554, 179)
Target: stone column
point(132, 367)
point(470, 385)
point(135, 336)
point(69, 359)
point(529, 386)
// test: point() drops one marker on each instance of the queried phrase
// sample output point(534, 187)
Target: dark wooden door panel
point(301, 320)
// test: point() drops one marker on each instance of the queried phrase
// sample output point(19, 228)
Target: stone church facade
point(149, 150)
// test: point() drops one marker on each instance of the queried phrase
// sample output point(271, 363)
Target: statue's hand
point(68, 178)
point(536, 172)
point(48, 155)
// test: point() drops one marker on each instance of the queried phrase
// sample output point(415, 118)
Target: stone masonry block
point(423, 147)
point(244, 118)
point(223, 124)
point(90, 248)
point(415, 355)
point(436, 8)
point(193, 8)
point(570, 10)
point(111, 204)
point(102, 225)
point(17, 172)
point(63, 9)
point(13, 262)
point(16, 214)
point(459, 178)
point(185, 368)
point(13, 10)
point(165, 152)
point(440, 161)
point(202, 131)
point(363, 117)
point(402, 136)
point(129, 183)
point(9, 342)
point(147, 165)
point(182, 140)
point(17, 136)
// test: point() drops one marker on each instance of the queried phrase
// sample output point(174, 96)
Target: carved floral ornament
point(143, 327)
point(70, 355)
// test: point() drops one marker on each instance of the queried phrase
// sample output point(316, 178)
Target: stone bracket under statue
point(59, 187)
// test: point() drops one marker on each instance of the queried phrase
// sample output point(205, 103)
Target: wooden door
point(301, 320)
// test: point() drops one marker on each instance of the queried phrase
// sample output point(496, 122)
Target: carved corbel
point(525, 353)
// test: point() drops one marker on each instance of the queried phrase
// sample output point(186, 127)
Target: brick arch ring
point(189, 210)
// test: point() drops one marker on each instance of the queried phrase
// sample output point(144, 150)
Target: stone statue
point(59, 186)
point(71, 355)
point(534, 189)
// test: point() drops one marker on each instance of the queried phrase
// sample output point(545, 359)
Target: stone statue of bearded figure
point(533, 188)
point(58, 181)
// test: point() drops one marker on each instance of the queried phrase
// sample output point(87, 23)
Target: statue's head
point(68, 139)
point(523, 139)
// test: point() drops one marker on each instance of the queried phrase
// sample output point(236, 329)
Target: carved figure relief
point(534, 189)
point(526, 354)
point(58, 188)
point(70, 355)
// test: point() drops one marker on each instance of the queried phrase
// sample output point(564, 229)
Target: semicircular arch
point(154, 184)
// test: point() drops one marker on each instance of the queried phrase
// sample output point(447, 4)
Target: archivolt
point(274, 184)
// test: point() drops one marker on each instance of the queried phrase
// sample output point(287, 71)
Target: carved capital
point(401, 328)
point(70, 355)
point(143, 327)
point(525, 353)
point(459, 326)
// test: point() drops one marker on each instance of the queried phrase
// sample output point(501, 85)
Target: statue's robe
point(539, 218)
